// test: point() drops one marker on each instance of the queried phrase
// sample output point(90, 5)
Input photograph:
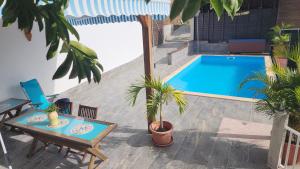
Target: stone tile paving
point(196, 144)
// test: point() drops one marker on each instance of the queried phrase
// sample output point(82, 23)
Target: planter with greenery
point(280, 55)
point(162, 131)
point(52, 115)
point(280, 43)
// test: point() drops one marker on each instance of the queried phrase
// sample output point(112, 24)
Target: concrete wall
point(21, 60)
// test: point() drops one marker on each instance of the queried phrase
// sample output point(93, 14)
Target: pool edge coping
point(269, 72)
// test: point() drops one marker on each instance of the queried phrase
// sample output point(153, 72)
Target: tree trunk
point(161, 126)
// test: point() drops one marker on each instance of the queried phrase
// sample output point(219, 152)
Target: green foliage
point(282, 93)
point(276, 35)
point(49, 16)
point(189, 8)
point(84, 62)
point(294, 54)
point(162, 94)
point(280, 50)
point(51, 108)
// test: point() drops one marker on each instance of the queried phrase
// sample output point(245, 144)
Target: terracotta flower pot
point(291, 154)
point(53, 119)
point(164, 138)
point(281, 61)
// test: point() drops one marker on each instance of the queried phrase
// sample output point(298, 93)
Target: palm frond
point(153, 83)
point(280, 71)
point(153, 104)
point(180, 100)
point(297, 94)
point(258, 76)
point(133, 92)
point(294, 54)
point(162, 94)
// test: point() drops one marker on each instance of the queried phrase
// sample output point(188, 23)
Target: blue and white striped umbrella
point(84, 12)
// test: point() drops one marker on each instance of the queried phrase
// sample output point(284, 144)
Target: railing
point(289, 151)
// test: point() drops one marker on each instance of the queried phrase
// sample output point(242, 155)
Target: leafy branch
point(189, 8)
point(49, 15)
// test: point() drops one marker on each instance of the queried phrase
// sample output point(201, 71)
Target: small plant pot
point(281, 61)
point(291, 154)
point(164, 138)
point(53, 119)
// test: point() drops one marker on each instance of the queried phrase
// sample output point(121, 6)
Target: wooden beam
point(146, 22)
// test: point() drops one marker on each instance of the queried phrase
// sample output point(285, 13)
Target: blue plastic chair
point(35, 94)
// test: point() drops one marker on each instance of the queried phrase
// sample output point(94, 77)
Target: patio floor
point(205, 136)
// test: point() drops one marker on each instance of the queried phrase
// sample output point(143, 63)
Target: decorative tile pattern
point(37, 118)
point(82, 129)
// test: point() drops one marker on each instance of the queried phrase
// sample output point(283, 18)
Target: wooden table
point(9, 105)
point(73, 132)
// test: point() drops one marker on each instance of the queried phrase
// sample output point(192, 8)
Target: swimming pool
point(219, 76)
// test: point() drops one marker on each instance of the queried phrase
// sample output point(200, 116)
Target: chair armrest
point(52, 96)
point(35, 104)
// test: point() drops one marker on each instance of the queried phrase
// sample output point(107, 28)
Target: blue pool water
point(221, 75)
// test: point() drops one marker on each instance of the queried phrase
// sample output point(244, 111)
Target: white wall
point(21, 60)
point(115, 44)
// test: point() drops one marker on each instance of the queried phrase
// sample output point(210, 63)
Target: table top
point(12, 103)
point(86, 131)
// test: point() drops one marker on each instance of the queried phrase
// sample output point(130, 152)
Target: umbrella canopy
point(88, 12)
point(85, 12)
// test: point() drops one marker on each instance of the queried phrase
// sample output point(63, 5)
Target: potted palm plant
point(52, 115)
point(163, 93)
point(282, 98)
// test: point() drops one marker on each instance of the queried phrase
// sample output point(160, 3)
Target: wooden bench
point(247, 45)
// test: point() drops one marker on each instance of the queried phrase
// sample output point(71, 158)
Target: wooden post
point(146, 22)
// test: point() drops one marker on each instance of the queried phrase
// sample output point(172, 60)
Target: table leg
point(18, 110)
point(10, 114)
point(83, 158)
point(92, 162)
point(95, 152)
point(32, 148)
point(101, 155)
point(2, 120)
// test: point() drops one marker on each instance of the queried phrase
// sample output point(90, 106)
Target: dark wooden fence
point(253, 22)
point(295, 35)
